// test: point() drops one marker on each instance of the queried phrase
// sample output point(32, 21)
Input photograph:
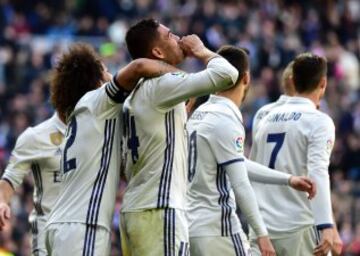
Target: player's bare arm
point(6, 192)
point(326, 243)
point(128, 76)
point(265, 246)
point(337, 243)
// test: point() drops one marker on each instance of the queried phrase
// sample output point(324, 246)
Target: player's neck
point(313, 96)
point(233, 95)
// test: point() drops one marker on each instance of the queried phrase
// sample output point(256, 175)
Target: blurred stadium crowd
point(33, 33)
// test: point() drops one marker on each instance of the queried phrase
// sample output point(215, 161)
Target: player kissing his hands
point(303, 183)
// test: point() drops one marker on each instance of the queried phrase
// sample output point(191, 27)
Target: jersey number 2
point(70, 164)
point(278, 139)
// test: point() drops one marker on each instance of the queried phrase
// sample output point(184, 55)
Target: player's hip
point(154, 232)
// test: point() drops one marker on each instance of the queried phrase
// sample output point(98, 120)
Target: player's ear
point(246, 78)
point(157, 53)
point(322, 85)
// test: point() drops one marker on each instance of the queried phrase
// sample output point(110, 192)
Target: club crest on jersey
point(239, 144)
point(56, 138)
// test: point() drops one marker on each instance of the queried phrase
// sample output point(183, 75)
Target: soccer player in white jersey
point(218, 172)
point(297, 139)
point(37, 149)
point(80, 221)
point(153, 220)
point(289, 91)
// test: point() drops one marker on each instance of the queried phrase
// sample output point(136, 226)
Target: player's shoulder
point(89, 97)
point(323, 118)
point(264, 110)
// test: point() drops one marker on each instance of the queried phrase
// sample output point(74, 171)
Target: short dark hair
point(308, 70)
point(140, 38)
point(238, 57)
point(78, 71)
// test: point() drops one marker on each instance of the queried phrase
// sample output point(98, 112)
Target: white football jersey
point(211, 200)
point(297, 139)
point(90, 162)
point(264, 110)
point(38, 149)
point(155, 139)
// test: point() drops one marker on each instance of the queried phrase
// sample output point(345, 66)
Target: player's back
point(284, 141)
point(264, 110)
point(155, 151)
point(90, 162)
point(39, 149)
point(211, 200)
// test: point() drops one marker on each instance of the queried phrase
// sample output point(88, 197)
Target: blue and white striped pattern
point(35, 237)
point(317, 235)
point(226, 210)
point(39, 188)
point(184, 249)
point(98, 189)
point(165, 180)
point(169, 232)
point(115, 92)
point(238, 245)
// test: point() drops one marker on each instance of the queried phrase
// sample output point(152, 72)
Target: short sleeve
point(227, 141)
point(22, 156)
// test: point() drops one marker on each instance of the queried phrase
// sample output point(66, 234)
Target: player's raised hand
point(326, 243)
point(265, 246)
point(194, 47)
point(303, 183)
point(5, 214)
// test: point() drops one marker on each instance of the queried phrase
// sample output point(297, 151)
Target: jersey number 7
point(278, 139)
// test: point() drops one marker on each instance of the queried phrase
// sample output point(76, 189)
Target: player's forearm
point(218, 75)
point(245, 197)
point(263, 174)
point(321, 203)
point(128, 76)
point(6, 191)
point(205, 55)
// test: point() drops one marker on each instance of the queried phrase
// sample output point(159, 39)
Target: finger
point(7, 213)
point(318, 249)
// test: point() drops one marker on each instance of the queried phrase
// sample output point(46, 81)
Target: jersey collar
point(59, 124)
point(227, 102)
point(283, 98)
point(301, 100)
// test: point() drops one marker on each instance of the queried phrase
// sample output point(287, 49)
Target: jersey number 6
point(278, 139)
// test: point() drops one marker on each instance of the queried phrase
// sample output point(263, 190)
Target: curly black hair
point(78, 71)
